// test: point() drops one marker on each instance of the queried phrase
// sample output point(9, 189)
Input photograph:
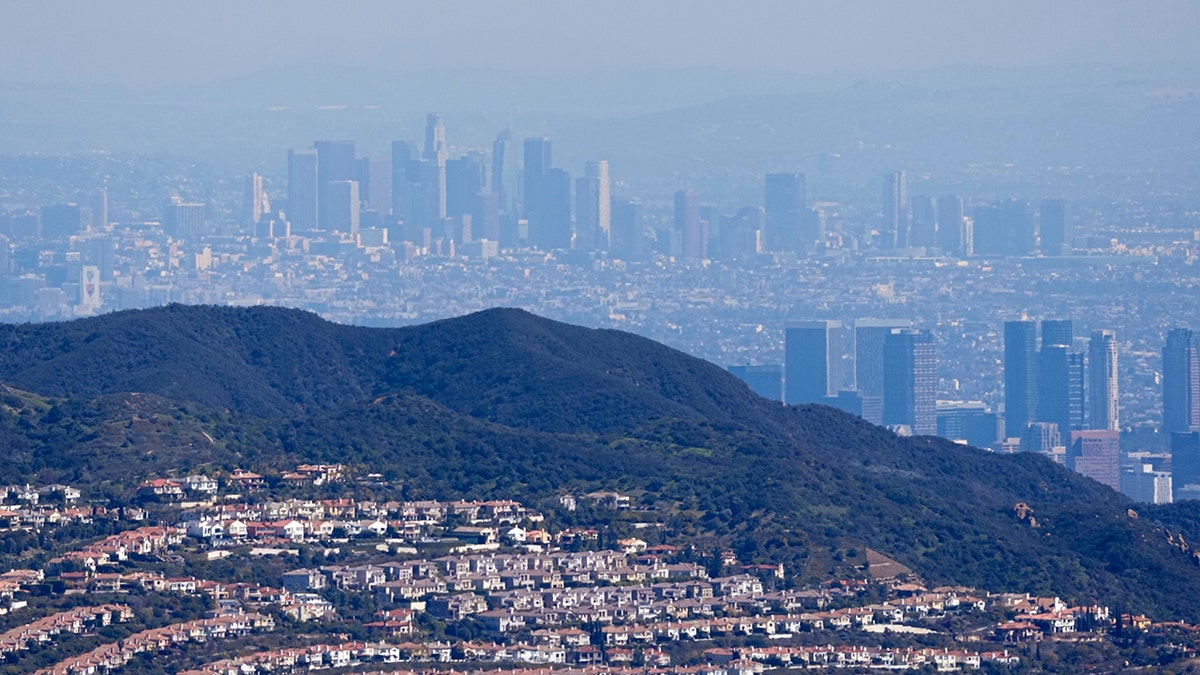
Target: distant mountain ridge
point(506, 404)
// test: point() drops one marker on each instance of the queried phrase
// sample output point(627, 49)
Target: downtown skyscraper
point(894, 231)
point(1020, 376)
point(910, 380)
point(812, 361)
point(783, 203)
point(593, 208)
point(1103, 400)
point(1181, 381)
point(302, 189)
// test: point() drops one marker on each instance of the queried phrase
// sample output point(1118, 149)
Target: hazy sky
point(167, 42)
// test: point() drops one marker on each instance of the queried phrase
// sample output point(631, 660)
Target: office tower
point(254, 200)
point(1181, 382)
point(1185, 460)
point(504, 171)
point(765, 380)
point(435, 138)
point(374, 177)
point(1020, 376)
point(738, 236)
point(403, 155)
point(551, 228)
point(433, 178)
point(1053, 221)
point(1005, 229)
point(1102, 399)
point(343, 209)
point(1097, 455)
point(626, 240)
point(1054, 384)
point(335, 162)
point(910, 380)
point(537, 163)
point(98, 201)
point(466, 177)
point(894, 232)
point(812, 361)
point(1060, 377)
point(1058, 332)
point(302, 189)
point(183, 220)
point(784, 207)
point(690, 226)
point(967, 421)
point(593, 207)
point(1041, 437)
point(90, 299)
point(951, 235)
point(869, 337)
point(61, 221)
point(1142, 483)
point(923, 231)
point(485, 217)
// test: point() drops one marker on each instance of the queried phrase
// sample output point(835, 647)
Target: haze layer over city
point(698, 173)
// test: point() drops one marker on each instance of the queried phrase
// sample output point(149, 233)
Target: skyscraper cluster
point(432, 200)
point(895, 371)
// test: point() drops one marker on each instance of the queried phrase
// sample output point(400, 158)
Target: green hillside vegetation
point(504, 404)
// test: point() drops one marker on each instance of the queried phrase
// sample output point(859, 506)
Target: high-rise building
point(551, 228)
point(1054, 386)
point(784, 210)
point(504, 171)
point(765, 380)
point(627, 238)
point(923, 231)
point(1020, 376)
point(335, 162)
point(1058, 332)
point(910, 380)
point(61, 221)
point(869, 337)
point(1041, 437)
point(403, 155)
point(1181, 382)
point(374, 178)
point(1005, 229)
point(537, 163)
point(98, 200)
point(1060, 378)
point(1097, 455)
point(466, 177)
point(1185, 460)
point(812, 361)
point(183, 220)
point(1053, 225)
point(593, 207)
point(254, 200)
point(1142, 483)
point(967, 421)
point(894, 232)
point(436, 153)
point(738, 236)
point(344, 207)
point(690, 226)
point(1102, 399)
point(951, 234)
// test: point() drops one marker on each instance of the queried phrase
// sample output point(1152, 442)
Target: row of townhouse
point(73, 621)
point(141, 541)
point(857, 656)
point(114, 656)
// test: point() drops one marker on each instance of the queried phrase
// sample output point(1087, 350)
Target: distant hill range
point(506, 404)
